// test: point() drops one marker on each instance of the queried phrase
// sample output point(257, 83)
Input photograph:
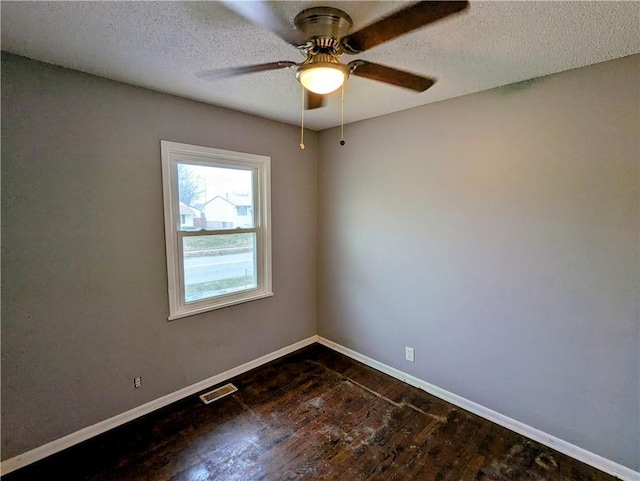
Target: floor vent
point(217, 393)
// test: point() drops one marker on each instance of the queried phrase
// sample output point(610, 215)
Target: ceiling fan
point(323, 34)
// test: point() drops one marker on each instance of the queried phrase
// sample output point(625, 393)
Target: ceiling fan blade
point(382, 73)
point(313, 100)
point(399, 23)
point(262, 14)
point(233, 71)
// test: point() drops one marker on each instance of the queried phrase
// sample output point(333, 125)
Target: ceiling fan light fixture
point(322, 78)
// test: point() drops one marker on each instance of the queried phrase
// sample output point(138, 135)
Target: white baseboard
point(564, 447)
point(86, 433)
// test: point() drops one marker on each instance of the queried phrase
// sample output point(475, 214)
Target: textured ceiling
point(161, 45)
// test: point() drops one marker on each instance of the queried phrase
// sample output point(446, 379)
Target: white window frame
point(174, 153)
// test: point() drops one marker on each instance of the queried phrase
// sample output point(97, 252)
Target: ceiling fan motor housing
point(323, 60)
point(324, 27)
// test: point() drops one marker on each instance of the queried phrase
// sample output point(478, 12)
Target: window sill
point(186, 312)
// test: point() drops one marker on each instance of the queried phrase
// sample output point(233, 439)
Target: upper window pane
point(214, 198)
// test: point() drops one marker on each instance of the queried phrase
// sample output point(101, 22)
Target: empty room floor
point(314, 414)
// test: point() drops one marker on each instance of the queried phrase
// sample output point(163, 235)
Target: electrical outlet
point(137, 382)
point(409, 354)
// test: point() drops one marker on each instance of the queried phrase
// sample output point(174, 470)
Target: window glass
point(214, 198)
point(218, 264)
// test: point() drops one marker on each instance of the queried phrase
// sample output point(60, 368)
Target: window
point(216, 211)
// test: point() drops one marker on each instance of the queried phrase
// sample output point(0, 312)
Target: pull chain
point(342, 142)
point(302, 122)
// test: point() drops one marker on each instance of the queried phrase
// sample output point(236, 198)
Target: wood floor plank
point(311, 415)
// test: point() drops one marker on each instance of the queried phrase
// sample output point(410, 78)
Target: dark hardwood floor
point(314, 414)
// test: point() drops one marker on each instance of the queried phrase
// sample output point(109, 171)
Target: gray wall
point(497, 234)
point(84, 283)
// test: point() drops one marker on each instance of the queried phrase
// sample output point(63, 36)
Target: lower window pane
point(216, 265)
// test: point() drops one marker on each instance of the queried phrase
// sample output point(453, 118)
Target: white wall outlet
point(409, 354)
point(137, 382)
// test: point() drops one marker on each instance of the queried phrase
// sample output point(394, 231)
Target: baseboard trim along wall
point(86, 433)
point(564, 447)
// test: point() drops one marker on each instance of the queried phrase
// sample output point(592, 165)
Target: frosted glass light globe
point(321, 80)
